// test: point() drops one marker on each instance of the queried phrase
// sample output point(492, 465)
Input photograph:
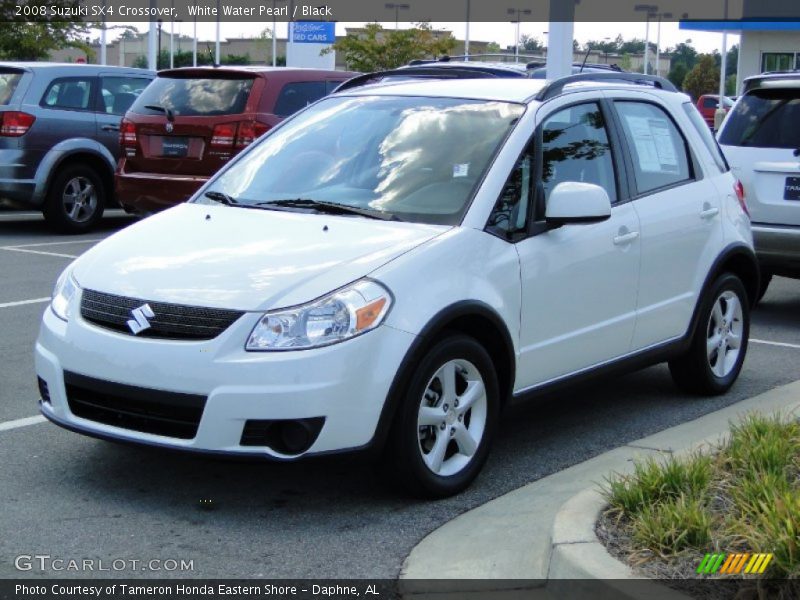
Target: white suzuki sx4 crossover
point(392, 266)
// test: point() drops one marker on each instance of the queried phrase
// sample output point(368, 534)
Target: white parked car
point(393, 265)
point(761, 140)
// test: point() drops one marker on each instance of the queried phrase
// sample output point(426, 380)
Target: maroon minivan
point(189, 122)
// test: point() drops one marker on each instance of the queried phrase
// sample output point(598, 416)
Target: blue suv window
point(70, 94)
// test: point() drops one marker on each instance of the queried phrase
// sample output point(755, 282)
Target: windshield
point(414, 159)
point(765, 119)
point(195, 96)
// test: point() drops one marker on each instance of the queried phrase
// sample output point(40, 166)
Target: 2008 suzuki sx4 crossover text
point(390, 267)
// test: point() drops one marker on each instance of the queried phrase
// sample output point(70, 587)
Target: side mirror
point(575, 202)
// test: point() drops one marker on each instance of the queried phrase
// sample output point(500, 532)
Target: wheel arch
point(74, 151)
point(470, 317)
point(738, 259)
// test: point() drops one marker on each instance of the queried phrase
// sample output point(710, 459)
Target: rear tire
point(446, 421)
point(75, 201)
point(717, 351)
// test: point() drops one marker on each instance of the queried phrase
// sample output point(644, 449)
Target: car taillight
point(127, 134)
point(15, 123)
point(738, 189)
point(223, 135)
point(248, 132)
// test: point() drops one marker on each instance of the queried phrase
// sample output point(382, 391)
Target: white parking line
point(23, 302)
point(28, 251)
point(781, 344)
point(17, 423)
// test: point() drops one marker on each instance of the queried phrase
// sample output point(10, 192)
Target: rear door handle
point(625, 238)
point(110, 128)
point(708, 213)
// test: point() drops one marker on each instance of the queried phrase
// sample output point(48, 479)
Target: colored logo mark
point(734, 564)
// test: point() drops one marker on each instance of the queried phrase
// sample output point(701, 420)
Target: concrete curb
point(543, 533)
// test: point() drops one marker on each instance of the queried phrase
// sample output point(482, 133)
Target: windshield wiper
point(330, 208)
point(159, 108)
point(222, 198)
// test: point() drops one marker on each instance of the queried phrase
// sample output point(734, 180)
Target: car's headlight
point(65, 289)
point(339, 316)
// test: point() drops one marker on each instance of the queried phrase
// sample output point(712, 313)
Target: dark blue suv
point(59, 137)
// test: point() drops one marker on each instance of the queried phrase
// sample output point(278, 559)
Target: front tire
point(75, 201)
point(717, 351)
point(447, 419)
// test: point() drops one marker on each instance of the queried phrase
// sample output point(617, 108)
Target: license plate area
point(174, 147)
point(791, 190)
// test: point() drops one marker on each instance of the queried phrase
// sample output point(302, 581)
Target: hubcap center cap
point(451, 417)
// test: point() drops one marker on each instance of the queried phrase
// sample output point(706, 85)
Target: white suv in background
point(396, 263)
point(761, 140)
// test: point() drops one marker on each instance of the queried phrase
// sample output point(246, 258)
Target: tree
point(377, 49)
point(703, 78)
point(677, 74)
point(36, 39)
point(683, 53)
point(492, 48)
point(530, 44)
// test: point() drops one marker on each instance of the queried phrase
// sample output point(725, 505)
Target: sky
point(502, 33)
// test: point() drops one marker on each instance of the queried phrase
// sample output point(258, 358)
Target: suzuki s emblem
point(169, 127)
point(139, 321)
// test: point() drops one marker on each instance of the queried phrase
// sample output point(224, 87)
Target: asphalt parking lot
point(73, 497)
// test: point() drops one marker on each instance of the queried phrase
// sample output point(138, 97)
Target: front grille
point(141, 409)
point(171, 321)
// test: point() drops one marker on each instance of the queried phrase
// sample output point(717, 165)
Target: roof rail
point(422, 71)
point(556, 87)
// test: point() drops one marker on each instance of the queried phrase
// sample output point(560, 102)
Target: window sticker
point(460, 170)
point(654, 144)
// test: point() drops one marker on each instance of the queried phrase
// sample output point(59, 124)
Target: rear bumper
point(778, 247)
point(18, 176)
point(151, 192)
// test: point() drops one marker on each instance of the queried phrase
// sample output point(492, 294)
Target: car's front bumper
point(346, 384)
point(778, 247)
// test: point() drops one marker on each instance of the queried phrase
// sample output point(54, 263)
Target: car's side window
point(74, 93)
point(658, 149)
point(118, 93)
point(510, 212)
point(575, 147)
point(298, 95)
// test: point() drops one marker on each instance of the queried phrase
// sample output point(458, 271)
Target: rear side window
point(8, 84)
point(71, 94)
point(705, 134)
point(658, 150)
point(709, 102)
point(298, 95)
point(765, 119)
point(195, 96)
point(119, 93)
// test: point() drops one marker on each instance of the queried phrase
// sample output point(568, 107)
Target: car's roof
point(39, 66)
point(497, 89)
point(771, 80)
point(254, 69)
point(506, 90)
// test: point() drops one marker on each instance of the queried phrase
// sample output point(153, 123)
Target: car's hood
point(243, 259)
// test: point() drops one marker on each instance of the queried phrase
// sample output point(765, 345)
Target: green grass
point(744, 497)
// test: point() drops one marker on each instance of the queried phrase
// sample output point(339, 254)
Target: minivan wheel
point(718, 348)
point(75, 201)
point(447, 419)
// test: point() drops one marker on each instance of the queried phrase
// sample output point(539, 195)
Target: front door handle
point(110, 128)
point(708, 213)
point(625, 238)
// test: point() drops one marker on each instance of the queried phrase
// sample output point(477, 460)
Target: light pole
point(719, 114)
point(466, 36)
point(518, 12)
point(172, 39)
point(194, 43)
point(216, 45)
point(664, 15)
point(275, 34)
point(649, 10)
point(397, 8)
point(103, 37)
